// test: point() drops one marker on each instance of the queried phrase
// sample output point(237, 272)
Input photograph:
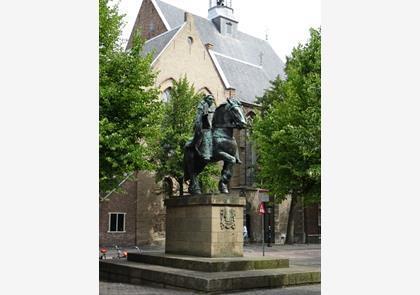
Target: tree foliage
point(288, 130)
point(176, 130)
point(129, 108)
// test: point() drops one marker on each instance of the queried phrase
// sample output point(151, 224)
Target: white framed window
point(116, 222)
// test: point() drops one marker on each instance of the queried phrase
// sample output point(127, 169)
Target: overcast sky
point(286, 21)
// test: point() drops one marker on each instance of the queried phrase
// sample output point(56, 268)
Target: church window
point(190, 42)
point(205, 91)
point(166, 94)
point(116, 222)
point(151, 27)
point(229, 28)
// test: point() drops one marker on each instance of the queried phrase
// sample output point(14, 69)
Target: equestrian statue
point(213, 141)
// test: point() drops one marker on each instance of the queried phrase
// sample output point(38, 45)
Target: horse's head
point(234, 107)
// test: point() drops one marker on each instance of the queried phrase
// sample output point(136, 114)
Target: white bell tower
point(222, 15)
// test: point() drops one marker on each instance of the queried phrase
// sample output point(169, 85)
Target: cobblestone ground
point(298, 255)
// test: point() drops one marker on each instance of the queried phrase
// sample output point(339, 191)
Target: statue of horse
point(227, 116)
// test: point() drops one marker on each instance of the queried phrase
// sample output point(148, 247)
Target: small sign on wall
point(264, 197)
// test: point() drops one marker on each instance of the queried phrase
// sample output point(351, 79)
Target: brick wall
point(121, 202)
point(148, 21)
point(313, 230)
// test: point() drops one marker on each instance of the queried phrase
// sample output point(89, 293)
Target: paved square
point(304, 255)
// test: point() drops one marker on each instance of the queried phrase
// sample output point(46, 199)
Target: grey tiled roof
point(249, 81)
point(174, 15)
point(157, 44)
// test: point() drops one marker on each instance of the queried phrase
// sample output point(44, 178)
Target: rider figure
point(203, 141)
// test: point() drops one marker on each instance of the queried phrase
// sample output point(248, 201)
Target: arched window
point(190, 42)
point(166, 94)
point(151, 27)
point(166, 87)
point(205, 90)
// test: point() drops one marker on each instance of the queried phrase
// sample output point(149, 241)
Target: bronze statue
point(202, 140)
point(213, 141)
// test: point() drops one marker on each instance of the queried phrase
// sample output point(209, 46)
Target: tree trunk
point(290, 238)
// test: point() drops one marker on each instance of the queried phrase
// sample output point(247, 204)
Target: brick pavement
point(305, 254)
point(106, 288)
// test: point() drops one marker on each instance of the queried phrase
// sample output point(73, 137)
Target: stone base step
point(209, 264)
point(125, 271)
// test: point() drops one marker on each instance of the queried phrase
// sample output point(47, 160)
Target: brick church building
point(220, 60)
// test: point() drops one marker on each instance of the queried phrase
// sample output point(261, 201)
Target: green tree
point(129, 106)
point(288, 130)
point(176, 130)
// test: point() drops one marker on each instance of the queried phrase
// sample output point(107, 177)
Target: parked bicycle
point(120, 252)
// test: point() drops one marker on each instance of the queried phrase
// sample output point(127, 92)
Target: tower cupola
point(222, 15)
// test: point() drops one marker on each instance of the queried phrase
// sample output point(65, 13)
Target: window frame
point(116, 224)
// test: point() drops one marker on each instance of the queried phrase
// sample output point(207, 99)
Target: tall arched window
point(204, 90)
point(166, 86)
point(190, 41)
point(166, 94)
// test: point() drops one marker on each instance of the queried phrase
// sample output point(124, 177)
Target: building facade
point(218, 59)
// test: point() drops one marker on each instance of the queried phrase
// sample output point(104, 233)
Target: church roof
point(247, 63)
point(157, 44)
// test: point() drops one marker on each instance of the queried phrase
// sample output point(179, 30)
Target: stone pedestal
point(205, 225)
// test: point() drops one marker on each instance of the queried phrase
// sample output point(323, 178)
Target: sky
point(286, 22)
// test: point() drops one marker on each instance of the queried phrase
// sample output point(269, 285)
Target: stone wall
point(205, 225)
point(281, 217)
point(150, 211)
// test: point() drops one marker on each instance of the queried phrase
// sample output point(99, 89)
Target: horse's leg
point(194, 188)
point(197, 166)
point(226, 175)
point(227, 157)
point(189, 170)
